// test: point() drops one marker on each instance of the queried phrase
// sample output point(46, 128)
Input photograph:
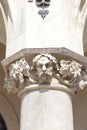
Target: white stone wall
point(61, 27)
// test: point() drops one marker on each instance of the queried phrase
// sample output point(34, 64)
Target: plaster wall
point(80, 110)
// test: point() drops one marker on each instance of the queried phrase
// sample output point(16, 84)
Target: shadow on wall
point(80, 110)
point(82, 4)
point(3, 125)
point(5, 6)
point(2, 28)
point(5, 13)
point(85, 29)
point(2, 56)
point(85, 39)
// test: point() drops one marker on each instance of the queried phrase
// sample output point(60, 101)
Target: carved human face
point(44, 67)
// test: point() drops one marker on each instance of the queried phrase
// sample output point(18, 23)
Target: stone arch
point(5, 14)
point(7, 102)
point(2, 28)
point(2, 56)
point(83, 23)
point(82, 4)
point(85, 38)
point(8, 113)
point(3, 125)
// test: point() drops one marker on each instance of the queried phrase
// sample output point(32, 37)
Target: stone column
point(46, 109)
point(45, 82)
point(45, 79)
point(58, 23)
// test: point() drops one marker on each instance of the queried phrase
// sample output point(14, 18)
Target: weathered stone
point(42, 69)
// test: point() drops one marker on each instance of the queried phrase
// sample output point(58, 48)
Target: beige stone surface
point(80, 110)
point(9, 104)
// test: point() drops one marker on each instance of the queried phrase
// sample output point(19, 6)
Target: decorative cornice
point(45, 70)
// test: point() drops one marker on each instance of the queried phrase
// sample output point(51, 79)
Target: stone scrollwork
point(41, 71)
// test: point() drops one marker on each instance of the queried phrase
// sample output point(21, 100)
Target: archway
point(8, 113)
point(3, 125)
point(85, 38)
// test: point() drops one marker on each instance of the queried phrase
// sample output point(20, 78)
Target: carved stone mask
point(44, 67)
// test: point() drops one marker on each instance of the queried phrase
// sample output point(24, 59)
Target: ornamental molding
point(50, 68)
point(16, 75)
point(45, 70)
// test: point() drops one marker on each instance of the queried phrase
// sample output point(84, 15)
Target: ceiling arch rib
point(5, 13)
point(2, 27)
point(6, 8)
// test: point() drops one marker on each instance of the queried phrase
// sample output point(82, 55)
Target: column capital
point(33, 69)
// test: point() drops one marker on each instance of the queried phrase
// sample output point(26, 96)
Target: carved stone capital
point(45, 70)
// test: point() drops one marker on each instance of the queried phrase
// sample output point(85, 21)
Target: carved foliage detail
point(43, 69)
point(71, 74)
point(16, 74)
point(70, 69)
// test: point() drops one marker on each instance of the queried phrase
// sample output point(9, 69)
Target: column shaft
point(46, 110)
